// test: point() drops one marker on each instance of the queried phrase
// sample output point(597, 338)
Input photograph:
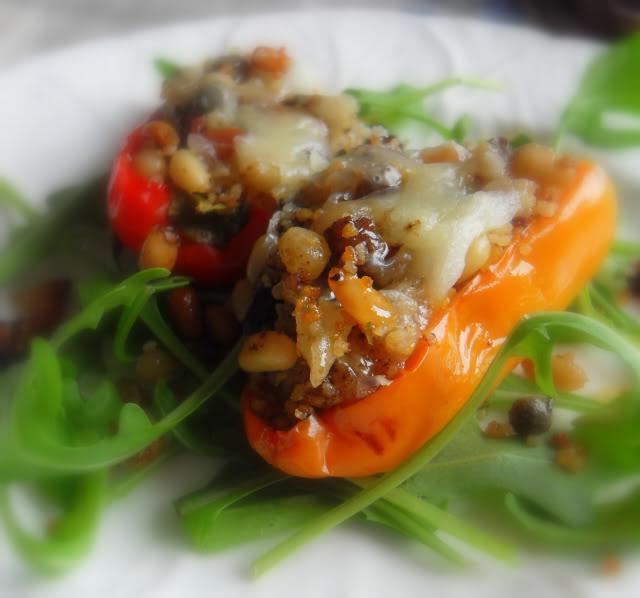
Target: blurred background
point(31, 26)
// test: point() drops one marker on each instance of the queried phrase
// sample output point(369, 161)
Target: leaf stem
point(439, 519)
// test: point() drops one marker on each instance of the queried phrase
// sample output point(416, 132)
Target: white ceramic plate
point(62, 117)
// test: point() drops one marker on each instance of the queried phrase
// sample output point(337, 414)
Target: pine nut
point(188, 172)
point(304, 252)
point(267, 352)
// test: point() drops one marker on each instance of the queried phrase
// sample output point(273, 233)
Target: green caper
point(531, 416)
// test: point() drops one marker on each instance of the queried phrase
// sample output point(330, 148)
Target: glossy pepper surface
point(138, 205)
point(547, 263)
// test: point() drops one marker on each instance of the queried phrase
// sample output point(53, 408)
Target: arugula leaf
point(210, 530)
point(609, 89)
point(37, 443)
point(473, 465)
point(156, 323)
point(214, 520)
point(12, 198)
point(166, 68)
point(165, 401)
point(41, 436)
point(520, 140)
point(74, 215)
point(80, 500)
point(599, 299)
point(400, 521)
point(611, 434)
point(122, 295)
point(427, 514)
point(616, 526)
point(95, 413)
point(242, 505)
point(405, 105)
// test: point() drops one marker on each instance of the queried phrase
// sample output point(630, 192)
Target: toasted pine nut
point(267, 352)
point(304, 252)
point(160, 250)
point(567, 374)
point(188, 172)
point(477, 256)
point(534, 161)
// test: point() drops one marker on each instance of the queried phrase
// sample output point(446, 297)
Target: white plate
point(62, 117)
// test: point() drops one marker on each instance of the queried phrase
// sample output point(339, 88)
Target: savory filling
point(366, 251)
point(229, 137)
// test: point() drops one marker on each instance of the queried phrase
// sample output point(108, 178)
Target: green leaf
point(133, 420)
point(611, 435)
point(210, 530)
point(97, 412)
point(124, 294)
point(520, 140)
point(155, 322)
point(231, 485)
point(80, 500)
point(473, 465)
point(404, 105)
point(461, 128)
point(609, 88)
point(616, 527)
point(166, 68)
point(38, 444)
point(75, 215)
point(216, 517)
point(386, 514)
point(165, 401)
point(243, 505)
point(427, 514)
point(12, 198)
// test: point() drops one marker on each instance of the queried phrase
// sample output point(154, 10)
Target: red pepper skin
point(137, 205)
point(211, 266)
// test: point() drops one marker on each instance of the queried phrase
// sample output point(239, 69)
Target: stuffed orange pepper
point(393, 280)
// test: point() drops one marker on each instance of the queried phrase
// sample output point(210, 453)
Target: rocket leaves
point(605, 110)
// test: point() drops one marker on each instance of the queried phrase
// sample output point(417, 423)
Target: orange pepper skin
point(544, 268)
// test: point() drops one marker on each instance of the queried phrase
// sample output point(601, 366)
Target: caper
point(530, 416)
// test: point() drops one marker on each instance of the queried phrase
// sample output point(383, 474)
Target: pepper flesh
point(138, 205)
point(548, 262)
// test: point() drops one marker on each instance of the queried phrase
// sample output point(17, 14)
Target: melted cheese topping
point(285, 142)
point(435, 218)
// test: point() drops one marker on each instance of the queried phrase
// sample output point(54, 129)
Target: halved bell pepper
point(548, 262)
point(138, 205)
